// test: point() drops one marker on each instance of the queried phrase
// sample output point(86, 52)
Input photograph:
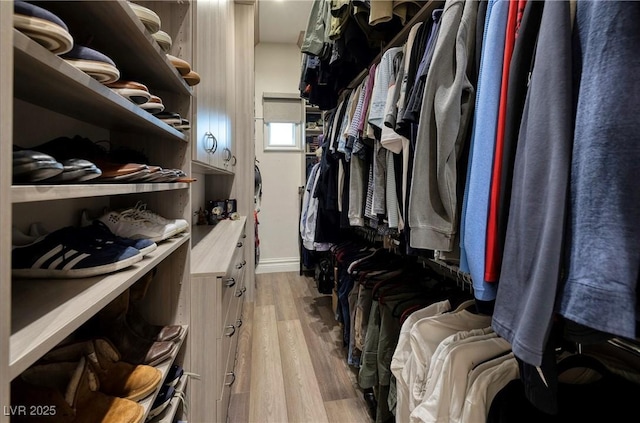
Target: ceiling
point(281, 21)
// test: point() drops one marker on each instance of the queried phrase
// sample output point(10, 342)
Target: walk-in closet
point(306, 211)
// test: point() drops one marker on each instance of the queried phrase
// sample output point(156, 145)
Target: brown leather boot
point(133, 348)
point(117, 378)
point(73, 389)
point(138, 324)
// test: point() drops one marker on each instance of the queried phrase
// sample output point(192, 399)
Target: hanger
point(582, 360)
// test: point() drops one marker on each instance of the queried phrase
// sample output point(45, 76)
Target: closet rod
point(629, 346)
point(400, 38)
point(463, 279)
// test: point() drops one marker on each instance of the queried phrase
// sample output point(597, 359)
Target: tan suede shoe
point(73, 388)
point(117, 378)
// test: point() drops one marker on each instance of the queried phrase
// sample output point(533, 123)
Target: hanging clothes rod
point(629, 346)
point(463, 279)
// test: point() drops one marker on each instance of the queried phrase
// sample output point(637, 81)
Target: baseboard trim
point(287, 264)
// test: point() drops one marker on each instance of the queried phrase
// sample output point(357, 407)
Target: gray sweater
point(444, 119)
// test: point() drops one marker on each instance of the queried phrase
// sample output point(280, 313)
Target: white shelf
point(48, 81)
point(31, 193)
point(44, 312)
point(164, 369)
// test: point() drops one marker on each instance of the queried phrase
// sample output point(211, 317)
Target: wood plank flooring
point(291, 366)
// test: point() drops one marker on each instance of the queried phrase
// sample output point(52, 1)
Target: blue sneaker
point(66, 253)
point(99, 232)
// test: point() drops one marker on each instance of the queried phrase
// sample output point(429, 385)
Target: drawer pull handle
point(244, 235)
point(239, 293)
point(233, 378)
point(244, 289)
point(238, 322)
point(244, 262)
point(239, 265)
point(239, 244)
point(233, 330)
point(230, 282)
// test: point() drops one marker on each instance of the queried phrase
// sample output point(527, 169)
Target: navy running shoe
point(99, 232)
point(66, 253)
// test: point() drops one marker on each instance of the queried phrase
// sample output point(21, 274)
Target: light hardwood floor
point(291, 365)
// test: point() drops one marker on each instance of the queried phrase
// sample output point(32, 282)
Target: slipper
point(133, 91)
point(192, 78)
point(148, 177)
point(164, 40)
point(77, 170)
point(115, 170)
point(148, 17)
point(131, 177)
point(182, 66)
point(169, 118)
point(93, 63)
point(21, 157)
point(33, 166)
point(183, 125)
point(42, 26)
point(154, 105)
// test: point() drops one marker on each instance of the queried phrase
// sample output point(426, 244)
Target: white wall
point(277, 70)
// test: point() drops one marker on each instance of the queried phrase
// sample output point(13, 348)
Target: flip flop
point(42, 26)
point(164, 40)
point(148, 17)
point(93, 63)
point(182, 66)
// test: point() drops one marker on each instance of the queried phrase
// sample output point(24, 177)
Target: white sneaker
point(141, 210)
point(129, 224)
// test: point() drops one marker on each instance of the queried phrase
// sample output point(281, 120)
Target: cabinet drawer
point(228, 380)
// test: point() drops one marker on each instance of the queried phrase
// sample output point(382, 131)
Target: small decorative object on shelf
point(203, 217)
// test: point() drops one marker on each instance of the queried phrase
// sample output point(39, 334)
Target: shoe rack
point(43, 97)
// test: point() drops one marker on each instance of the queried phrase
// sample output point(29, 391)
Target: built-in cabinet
point(213, 149)
point(218, 290)
point(43, 97)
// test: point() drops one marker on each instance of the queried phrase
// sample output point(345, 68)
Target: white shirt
point(403, 352)
point(446, 387)
point(426, 335)
point(483, 383)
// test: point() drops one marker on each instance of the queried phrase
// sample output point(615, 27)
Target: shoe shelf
point(34, 193)
point(44, 312)
point(117, 32)
point(48, 81)
point(164, 369)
